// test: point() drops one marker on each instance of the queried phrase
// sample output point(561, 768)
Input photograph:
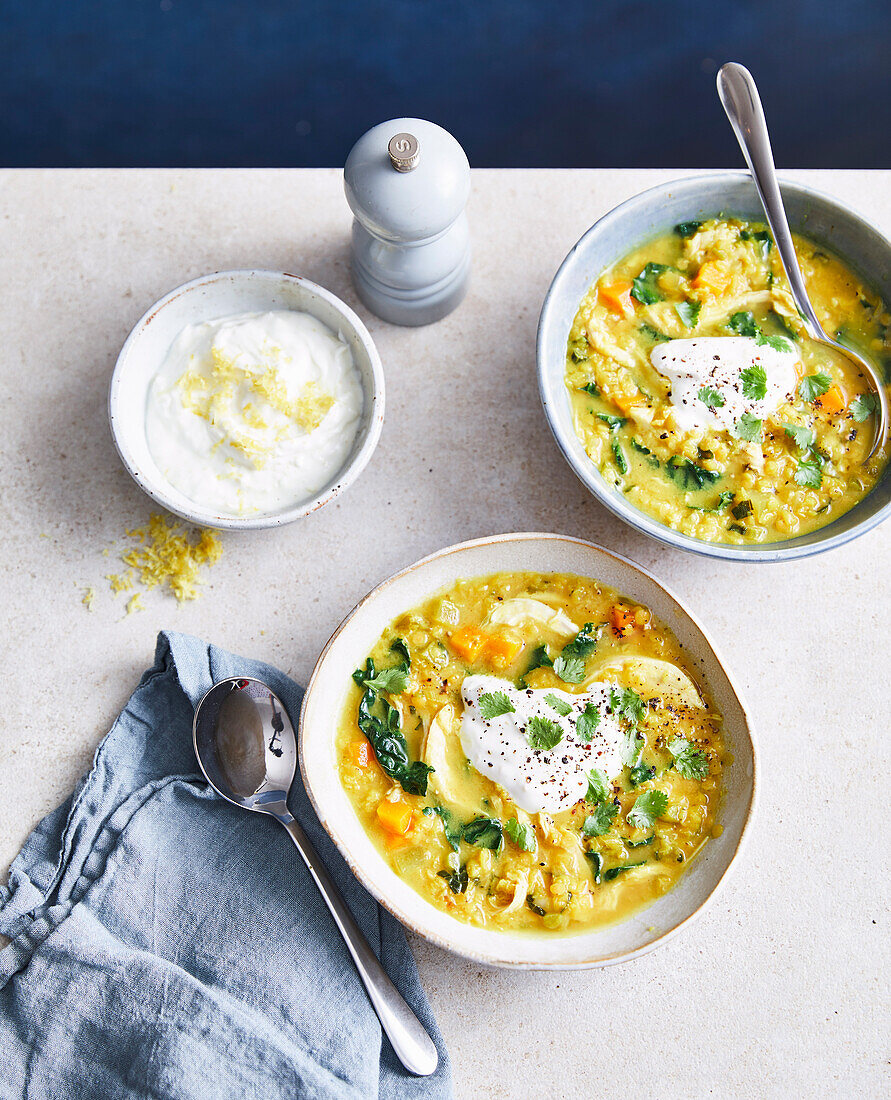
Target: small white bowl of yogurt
point(246, 399)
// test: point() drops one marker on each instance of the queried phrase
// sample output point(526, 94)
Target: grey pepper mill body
point(407, 183)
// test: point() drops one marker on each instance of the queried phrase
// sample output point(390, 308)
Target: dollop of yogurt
point(540, 779)
point(720, 364)
point(254, 412)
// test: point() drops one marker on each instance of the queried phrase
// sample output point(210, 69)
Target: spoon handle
point(740, 99)
point(413, 1046)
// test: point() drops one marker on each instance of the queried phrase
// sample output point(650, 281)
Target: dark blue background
point(522, 83)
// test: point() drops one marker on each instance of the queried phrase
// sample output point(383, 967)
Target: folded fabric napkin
point(168, 944)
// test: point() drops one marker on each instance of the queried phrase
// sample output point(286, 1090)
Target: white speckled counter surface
point(781, 988)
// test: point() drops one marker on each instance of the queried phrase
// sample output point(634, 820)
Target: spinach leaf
point(530, 901)
point(484, 832)
point(457, 880)
point(452, 833)
point(619, 455)
point(614, 872)
point(640, 843)
point(644, 288)
point(687, 229)
point(539, 659)
point(389, 744)
point(654, 334)
point(688, 474)
point(688, 312)
point(641, 773)
point(612, 422)
point(591, 387)
point(596, 864)
point(761, 237)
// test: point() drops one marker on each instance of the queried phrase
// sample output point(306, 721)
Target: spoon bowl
point(742, 104)
point(247, 749)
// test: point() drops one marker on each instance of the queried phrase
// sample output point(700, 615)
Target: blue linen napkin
point(168, 944)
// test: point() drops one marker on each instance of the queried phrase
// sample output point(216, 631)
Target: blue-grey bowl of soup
point(647, 217)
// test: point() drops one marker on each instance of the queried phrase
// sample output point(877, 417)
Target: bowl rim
point(590, 478)
point(406, 919)
point(375, 395)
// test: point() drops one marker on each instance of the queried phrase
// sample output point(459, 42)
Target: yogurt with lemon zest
point(255, 412)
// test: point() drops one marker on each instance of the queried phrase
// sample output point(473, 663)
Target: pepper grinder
point(407, 183)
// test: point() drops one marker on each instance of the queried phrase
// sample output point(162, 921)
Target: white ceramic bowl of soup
point(646, 217)
point(331, 683)
point(224, 294)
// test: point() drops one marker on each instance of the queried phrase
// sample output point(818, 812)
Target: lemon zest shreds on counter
point(120, 582)
point(135, 603)
point(88, 597)
point(167, 555)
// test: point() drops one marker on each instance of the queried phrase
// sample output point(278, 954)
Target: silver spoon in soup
point(740, 99)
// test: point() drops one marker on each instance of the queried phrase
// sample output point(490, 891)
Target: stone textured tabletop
point(781, 988)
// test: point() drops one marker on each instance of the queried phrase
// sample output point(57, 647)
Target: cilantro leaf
point(584, 643)
point(748, 427)
point(612, 422)
point(687, 229)
point(743, 323)
point(631, 748)
point(484, 832)
point(863, 406)
point(778, 343)
point(495, 703)
point(711, 398)
point(598, 786)
point(810, 472)
point(571, 670)
point(647, 807)
point(587, 723)
point(813, 386)
point(628, 704)
point(522, 835)
point(645, 288)
point(559, 705)
point(754, 382)
point(688, 312)
point(804, 438)
point(690, 762)
point(600, 821)
point(393, 680)
point(619, 455)
point(542, 733)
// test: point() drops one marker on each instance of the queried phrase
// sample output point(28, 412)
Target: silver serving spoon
point(247, 750)
point(740, 99)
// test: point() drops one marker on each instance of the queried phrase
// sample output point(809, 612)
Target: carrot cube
point(502, 650)
point(714, 278)
point(396, 817)
point(617, 297)
point(832, 401)
point(622, 619)
point(467, 642)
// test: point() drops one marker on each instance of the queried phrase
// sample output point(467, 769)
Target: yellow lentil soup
point(697, 392)
point(531, 752)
